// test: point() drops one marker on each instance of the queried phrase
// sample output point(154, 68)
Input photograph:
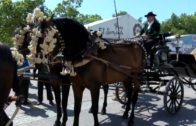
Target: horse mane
point(75, 36)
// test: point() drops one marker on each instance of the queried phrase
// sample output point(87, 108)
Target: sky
point(136, 8)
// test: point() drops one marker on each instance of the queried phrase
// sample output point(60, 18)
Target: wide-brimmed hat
point(150, 14)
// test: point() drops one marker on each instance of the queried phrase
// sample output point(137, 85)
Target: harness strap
point(13, 116)
point(117, 67)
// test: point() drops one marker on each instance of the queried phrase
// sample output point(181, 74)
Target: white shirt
point(150, 24)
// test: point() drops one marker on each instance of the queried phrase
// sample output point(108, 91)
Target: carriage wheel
point(193, 83)
point(121, 93)
point(173, 96)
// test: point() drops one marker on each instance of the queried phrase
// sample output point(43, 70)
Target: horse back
point(130, 55)
point(123, 60)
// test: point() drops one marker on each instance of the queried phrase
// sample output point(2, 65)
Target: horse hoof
point(90, 111)
point(57, 123)
point(96, 124)
point(103, 112)
point(125, 116)
point(131, 123)
point(63, 124)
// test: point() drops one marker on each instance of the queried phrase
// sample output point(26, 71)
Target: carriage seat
point(165, 34)
point(193, 52)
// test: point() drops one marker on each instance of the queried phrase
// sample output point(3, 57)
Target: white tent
point(128, 27)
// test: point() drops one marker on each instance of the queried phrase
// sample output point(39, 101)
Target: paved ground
point(149, 111)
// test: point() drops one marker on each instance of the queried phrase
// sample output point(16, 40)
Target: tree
point(13, 14)
point(183, 24)
point(85, 19)
point(120, 13)
point(69, 8)
point(140, 19)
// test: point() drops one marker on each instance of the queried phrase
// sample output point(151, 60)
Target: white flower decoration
point(17, 56)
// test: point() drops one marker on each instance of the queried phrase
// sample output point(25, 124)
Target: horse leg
point(105, 89)
point(103, 111)
point(128, 89)
point(65, 94)
point(134, 101)
point(57, 94)
point(95, 102)
point(78, 93)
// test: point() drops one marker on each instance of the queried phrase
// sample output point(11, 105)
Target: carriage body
point(172, 71)
point(167, 76)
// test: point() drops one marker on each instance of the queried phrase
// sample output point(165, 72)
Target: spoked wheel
point(190, 81)
point(121, 93)
point(193, 83)
point(173, 96)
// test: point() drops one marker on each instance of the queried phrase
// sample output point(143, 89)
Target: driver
point(150, 33)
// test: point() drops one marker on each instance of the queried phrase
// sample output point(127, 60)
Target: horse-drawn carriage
point(65, 45)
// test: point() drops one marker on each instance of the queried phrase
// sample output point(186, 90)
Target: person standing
point(24, 83)
point(42, 81)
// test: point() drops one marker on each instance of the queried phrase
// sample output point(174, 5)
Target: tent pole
point(117, 21)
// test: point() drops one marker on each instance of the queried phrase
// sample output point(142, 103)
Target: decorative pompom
point(102, 45)
point(17, 56)
point(29, 18)
point(99, 33)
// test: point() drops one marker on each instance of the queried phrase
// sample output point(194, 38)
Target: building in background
point(128, 27)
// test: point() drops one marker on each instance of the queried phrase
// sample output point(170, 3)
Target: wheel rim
point(174, 96)
point(193, 84)
point(121, 94)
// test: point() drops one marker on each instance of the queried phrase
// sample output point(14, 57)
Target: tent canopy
point(128, 27)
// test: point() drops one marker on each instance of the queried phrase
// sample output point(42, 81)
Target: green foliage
point(85, 19)
point(13, 14)
point(69, 8)
point(183, 24)
point(120, 13)
point(140, 19)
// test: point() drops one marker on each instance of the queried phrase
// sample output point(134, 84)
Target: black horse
point(77, 40)
point(8, 80)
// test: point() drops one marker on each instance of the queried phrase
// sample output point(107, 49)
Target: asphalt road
point(149, 111)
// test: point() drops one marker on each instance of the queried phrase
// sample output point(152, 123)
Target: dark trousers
point(149, 44)
point(24, 86)
point(48, 91)
point(4, 118)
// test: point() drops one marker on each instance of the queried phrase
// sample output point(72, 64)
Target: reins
point(117, 67)
point(52, 81)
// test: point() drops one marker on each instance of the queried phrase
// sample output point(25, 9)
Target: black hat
point(150, 14)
